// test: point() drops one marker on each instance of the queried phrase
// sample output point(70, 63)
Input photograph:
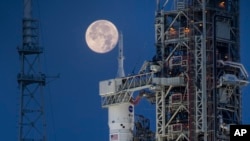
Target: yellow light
point(186, 30)
point(172, 30)
point(222, 4)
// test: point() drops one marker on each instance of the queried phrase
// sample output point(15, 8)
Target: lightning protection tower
point(31, 81)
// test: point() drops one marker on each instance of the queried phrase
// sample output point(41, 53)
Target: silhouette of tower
point(31, 80)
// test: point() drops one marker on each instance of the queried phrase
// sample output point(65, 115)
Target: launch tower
point(198, 50)
point(31, 81)
point(195, 78)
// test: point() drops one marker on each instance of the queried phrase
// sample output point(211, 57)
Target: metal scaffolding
point(195, 76)
point(203, 35)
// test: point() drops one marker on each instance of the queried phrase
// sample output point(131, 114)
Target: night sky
point(73, 105)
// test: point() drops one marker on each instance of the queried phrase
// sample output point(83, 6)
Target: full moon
point(101, 36)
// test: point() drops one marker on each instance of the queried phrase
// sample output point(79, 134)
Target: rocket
point(121, 115)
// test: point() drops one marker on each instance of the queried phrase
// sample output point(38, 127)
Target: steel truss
point(124, 88)
point(193, 26)
point(195, 75)
point(31, 82)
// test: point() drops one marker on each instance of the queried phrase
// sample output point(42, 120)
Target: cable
point(138, 59)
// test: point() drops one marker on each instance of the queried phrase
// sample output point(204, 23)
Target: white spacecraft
point(120, 115)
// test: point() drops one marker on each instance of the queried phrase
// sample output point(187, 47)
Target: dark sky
point(74, 98)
